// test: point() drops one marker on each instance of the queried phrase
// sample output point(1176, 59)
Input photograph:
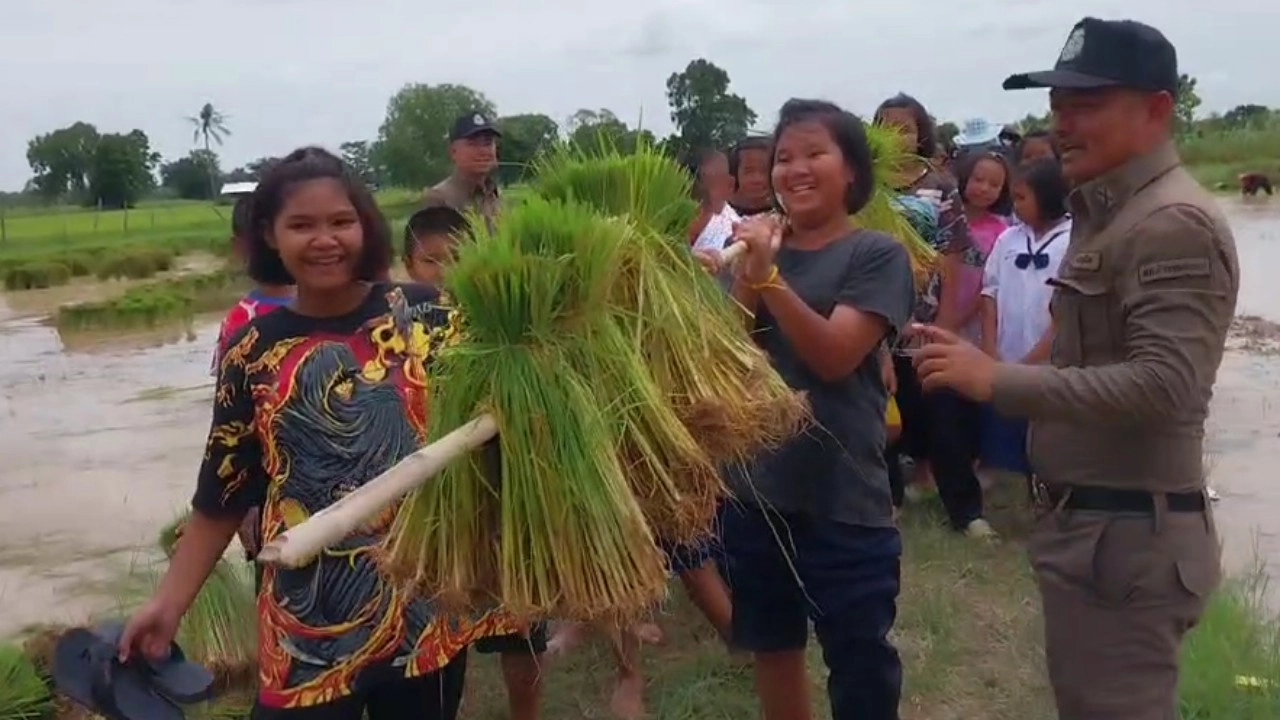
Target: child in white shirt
point(1016, 325)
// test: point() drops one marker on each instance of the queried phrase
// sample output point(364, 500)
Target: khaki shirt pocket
point(1087, 329)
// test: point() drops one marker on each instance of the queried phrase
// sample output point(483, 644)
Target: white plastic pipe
point(300, 544)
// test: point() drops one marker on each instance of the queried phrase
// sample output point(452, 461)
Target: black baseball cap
point(1108, 53)
point(472, 124)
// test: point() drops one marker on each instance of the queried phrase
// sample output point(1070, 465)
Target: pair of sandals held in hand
point(87, 670)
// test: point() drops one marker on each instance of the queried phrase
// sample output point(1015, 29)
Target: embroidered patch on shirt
point(1089, 261)
point(1170, 269)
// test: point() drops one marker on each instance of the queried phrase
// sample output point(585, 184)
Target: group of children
point(821, 304)
point(999, 218)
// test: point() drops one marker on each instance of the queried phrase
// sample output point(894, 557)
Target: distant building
point(235, 190)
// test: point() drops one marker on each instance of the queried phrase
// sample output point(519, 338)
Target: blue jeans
point(786, 570)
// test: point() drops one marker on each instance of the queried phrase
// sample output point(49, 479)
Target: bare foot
point(648, 633)
point(568, 636)
point(627, 702)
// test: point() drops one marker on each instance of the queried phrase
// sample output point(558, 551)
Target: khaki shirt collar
point(1098, 200)
point(488, 187)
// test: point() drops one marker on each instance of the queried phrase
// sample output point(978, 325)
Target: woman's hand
point(150, 631)
point(763, 237)
point(710, 260)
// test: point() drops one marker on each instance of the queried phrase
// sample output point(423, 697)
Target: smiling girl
point(813, 537)
point(311, 402)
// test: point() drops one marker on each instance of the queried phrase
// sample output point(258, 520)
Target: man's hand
point(947, 361)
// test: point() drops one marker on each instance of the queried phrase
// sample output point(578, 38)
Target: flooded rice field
point(103, 434)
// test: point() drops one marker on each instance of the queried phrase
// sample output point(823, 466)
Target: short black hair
point(964, 170)
point(1048, 185)
point(299, 166)
point(1039, 135)
point(754, 142)
point(926, 128)
point(242, 217)
point(693, 163)
point(433, 221)
point(849, 134)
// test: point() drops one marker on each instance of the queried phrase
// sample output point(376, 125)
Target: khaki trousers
point(1120, 591)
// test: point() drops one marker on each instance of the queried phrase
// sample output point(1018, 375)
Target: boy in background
point(430, 238)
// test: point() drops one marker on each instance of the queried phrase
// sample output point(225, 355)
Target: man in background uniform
point(1125, 550)
point(473, 148)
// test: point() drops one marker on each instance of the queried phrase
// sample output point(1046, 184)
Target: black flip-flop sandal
point(87, 671)
point(175, 677)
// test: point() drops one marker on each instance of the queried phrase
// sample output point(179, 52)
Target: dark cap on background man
point(472, 124)
point(1108, 53)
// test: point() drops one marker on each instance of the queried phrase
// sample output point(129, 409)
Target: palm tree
point(212, 125)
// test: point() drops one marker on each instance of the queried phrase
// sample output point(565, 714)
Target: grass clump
point(1231, 660)
point(135, 265)
point(154, 304)
point(23, 693)
point(36, 275)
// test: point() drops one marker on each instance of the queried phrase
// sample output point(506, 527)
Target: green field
point(1217, 159)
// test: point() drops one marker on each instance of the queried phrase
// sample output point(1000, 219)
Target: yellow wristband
point(772, 282)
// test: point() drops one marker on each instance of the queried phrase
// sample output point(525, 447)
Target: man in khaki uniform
point(473, 148)
point(1125, 550)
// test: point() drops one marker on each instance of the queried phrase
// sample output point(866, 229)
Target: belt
point(1087, 497)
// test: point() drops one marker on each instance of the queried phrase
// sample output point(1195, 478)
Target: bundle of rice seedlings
point(647, 186)
point(23, 693)
point(220, 630)
point(882, 213)
point(548, 525)
point(722, 387)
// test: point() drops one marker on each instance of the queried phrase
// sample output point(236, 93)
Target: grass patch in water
point(44, 267)
point(167, 301)
point(23, 693)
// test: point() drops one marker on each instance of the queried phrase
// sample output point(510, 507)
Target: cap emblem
point(1074, 46)
point(478, 119)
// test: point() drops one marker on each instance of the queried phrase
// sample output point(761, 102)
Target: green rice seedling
point(882, 213)
point(548, 526)
point(220, 630)
point(650, 188)
point(719, 383)
point(153, 304)
point(34, 275)
point(23, 693)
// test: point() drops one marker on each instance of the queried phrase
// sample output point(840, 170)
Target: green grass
point(1217, 158)
point(968, 631)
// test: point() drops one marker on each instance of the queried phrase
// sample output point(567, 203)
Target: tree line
point(82, 165)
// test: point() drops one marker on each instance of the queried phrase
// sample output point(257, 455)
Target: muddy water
point(101, 436)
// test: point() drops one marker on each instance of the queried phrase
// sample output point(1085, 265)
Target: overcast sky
point(294, 72)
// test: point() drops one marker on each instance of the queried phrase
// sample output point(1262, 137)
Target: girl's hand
point(710, 260)
point(248, 533)
point(150, 631)
point(763, 237)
